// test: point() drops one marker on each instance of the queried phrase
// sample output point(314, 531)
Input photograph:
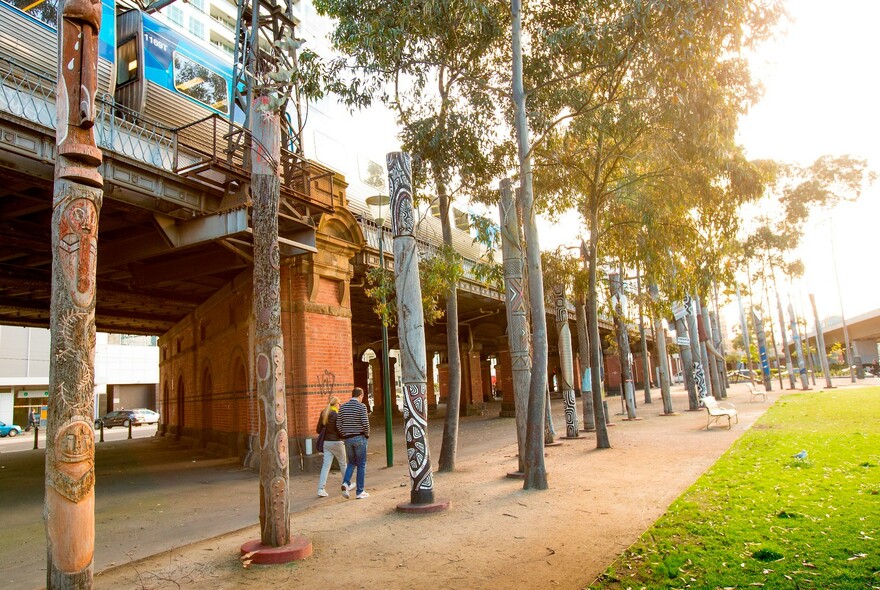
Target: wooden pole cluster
point(69, 509)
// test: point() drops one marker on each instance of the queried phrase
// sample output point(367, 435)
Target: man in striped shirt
point(354, 428)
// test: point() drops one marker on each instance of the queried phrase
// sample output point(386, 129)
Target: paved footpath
point(154, 495)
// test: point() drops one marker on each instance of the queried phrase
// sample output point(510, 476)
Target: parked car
point(145, 416)
point(678, 377)
point(118, 418)
point(9, 429)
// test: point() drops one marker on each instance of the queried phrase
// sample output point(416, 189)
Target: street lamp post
point(378, 205)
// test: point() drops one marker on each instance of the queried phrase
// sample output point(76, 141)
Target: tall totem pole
point(76, 205)
point(566, 362)
point(517, 316)
point(411, 333)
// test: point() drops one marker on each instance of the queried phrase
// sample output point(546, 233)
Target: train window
point(127, 58)
point(200, 83)
point(42, 10)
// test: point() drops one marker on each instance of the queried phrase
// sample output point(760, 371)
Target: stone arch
point(344, 226)
point(238, 393)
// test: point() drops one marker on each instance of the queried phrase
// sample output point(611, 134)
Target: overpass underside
point(175, 260)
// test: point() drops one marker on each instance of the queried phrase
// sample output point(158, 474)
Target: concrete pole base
point(435, 506)
point(298, 548)
point(573, 437)
point(516, 475)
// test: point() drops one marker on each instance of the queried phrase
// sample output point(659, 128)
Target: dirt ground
point(494, 535)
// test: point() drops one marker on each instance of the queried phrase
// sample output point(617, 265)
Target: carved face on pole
point(78, 245)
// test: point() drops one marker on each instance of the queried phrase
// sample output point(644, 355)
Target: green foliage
point(437, 274)
point(759, 517)
point(380, 288)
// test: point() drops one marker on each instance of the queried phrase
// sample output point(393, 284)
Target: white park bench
point(754, 392)
point(718, 410)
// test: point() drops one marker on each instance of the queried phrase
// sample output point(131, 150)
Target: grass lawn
point(761, 517)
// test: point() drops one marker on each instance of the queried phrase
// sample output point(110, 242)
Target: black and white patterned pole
point(411, 334)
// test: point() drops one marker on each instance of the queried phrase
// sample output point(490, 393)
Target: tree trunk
point(580, 310)
point(517, 317)
point(696, 354)
point(747, 341)
point(536, 474)
point(820, 344)
point(762, 351)
point(795, 334)
point(602, 439)
point(268, 339)
point(679, 312)
point(662, 357)
point(69, 501)
point(411, 329)
point(615, 281)
point(646, 365)
point(720, 361)
point(706, 342)
point(449, 445)
point(566, 362)
point(785, 349)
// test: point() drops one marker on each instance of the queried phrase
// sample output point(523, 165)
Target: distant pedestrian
point(354, 427)
point(333, 445)
point(33, 421)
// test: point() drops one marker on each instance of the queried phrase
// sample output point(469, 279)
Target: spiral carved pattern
point(415, 412)
point(700, 379)
point(400, 187)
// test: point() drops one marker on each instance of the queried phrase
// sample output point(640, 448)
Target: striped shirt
point(352, 419)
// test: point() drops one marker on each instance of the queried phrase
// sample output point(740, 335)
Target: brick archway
point(207, 398)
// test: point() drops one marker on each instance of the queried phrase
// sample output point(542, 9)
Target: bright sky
point(821, 98)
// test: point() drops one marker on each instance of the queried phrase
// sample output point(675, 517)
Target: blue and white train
point(146, 65)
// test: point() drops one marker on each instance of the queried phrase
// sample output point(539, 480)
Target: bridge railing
point(426, 249)
point(200, 149)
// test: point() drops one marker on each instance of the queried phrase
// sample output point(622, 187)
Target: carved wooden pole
point(679, 312)
point(411, 334)
point(517, 315)
point(268, 339)
point(696, 354)
point(566, 362)
point(76, 205)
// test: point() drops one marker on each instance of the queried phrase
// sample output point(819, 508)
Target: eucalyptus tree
point(653, 91)
point(434, 64)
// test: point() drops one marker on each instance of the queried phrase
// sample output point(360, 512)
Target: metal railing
point(210, 149)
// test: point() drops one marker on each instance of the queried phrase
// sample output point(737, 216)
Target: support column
point(566, 362)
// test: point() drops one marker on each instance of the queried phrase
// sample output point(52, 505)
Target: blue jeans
point(356, 453)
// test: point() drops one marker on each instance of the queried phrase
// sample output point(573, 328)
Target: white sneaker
point(362, 495)
point(345, 489)
point(322, 493)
